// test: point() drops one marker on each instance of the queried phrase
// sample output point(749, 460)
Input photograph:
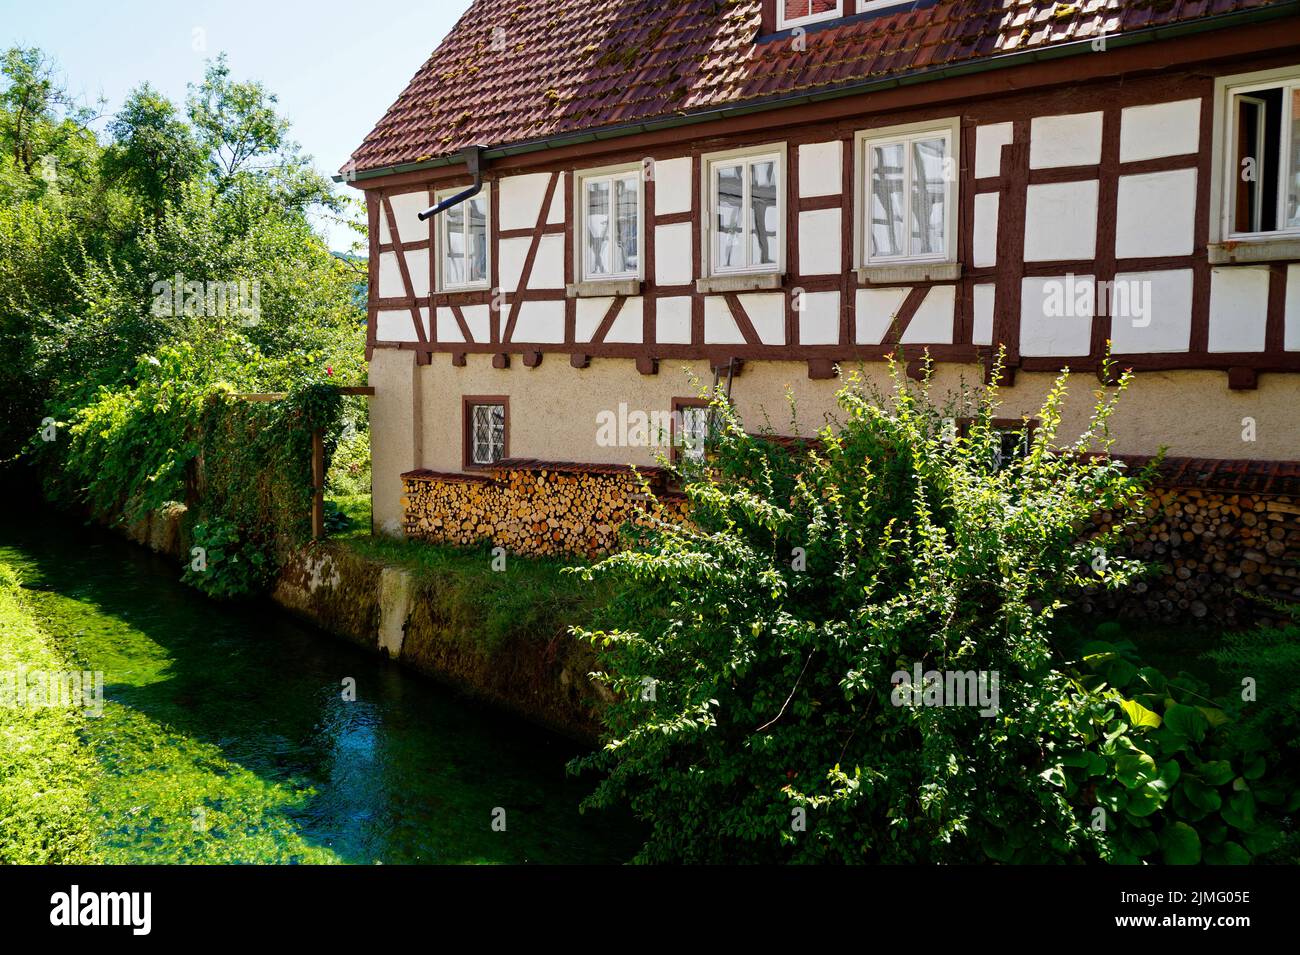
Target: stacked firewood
point(1213, 552)
point(536, 509)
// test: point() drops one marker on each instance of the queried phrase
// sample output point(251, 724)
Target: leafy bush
point(243, 468)
point(229, 563)
point(757, 649)
point(1173, 775)
point(1263, 666)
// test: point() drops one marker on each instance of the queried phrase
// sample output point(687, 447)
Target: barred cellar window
point(486, 439)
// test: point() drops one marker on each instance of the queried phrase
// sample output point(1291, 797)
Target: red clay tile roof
point(571, 65)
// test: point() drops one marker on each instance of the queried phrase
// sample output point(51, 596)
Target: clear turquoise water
point(226, 738)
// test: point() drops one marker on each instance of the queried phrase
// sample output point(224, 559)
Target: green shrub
point(1169, 772)
point(243, 468)
point(1263, 668)
point(226, 562)
point(757, 649)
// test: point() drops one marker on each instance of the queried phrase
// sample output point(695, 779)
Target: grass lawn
point(45, 769)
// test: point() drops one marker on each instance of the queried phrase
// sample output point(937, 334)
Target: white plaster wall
point(1238, 309)
point(932, 323)
point(588, 315)
point(985, 249)
point(673, 191)
point(521, 199)
point(989, 141)
point(1061, 221)
point(673, 250)
point(819, 322)
point(558, 211)
point(766, 313)
point(819, 169)
point(1044, 334)
point(819, 242)
point(1164, 324)
point(1160, 129)
point(876, 308)
point(548, 266)
point(673, 321)
point(407, 207)
point(1155, 214)
point(390, 277)
point(719, 327)
point(1068, 140)
point(982, 330)
point(511, 254)
point(540, 322)
point(627, 327)
point(396, 326)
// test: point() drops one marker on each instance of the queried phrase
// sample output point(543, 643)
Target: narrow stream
point(226, 737)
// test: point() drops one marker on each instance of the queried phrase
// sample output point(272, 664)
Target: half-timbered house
point(631, 195)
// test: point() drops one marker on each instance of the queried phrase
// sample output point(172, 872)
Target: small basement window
point(486, 439)
point(1263, 175)
point(690, 422)
point(1015, 436)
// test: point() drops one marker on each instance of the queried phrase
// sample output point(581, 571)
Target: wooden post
point(317, 485)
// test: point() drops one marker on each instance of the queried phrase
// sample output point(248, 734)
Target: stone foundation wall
point(536, 508)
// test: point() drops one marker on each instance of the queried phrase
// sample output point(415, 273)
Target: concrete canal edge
point(391, 611)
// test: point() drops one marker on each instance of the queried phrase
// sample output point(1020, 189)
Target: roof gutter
point(983, 65)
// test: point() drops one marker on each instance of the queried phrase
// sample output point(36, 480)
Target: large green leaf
point(1187, 721)
point(1180, 845)
point(1138, 715)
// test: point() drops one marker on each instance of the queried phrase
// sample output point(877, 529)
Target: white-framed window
point(745, 200)
point(797, 13)
point(1261, 150)
point(464, 243)
point(610, 213)
point(908, 194)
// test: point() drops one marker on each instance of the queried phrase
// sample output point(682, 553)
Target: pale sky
point(336, 67)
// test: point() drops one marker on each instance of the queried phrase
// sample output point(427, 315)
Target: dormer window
point(797, 13)
point(801, 13)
